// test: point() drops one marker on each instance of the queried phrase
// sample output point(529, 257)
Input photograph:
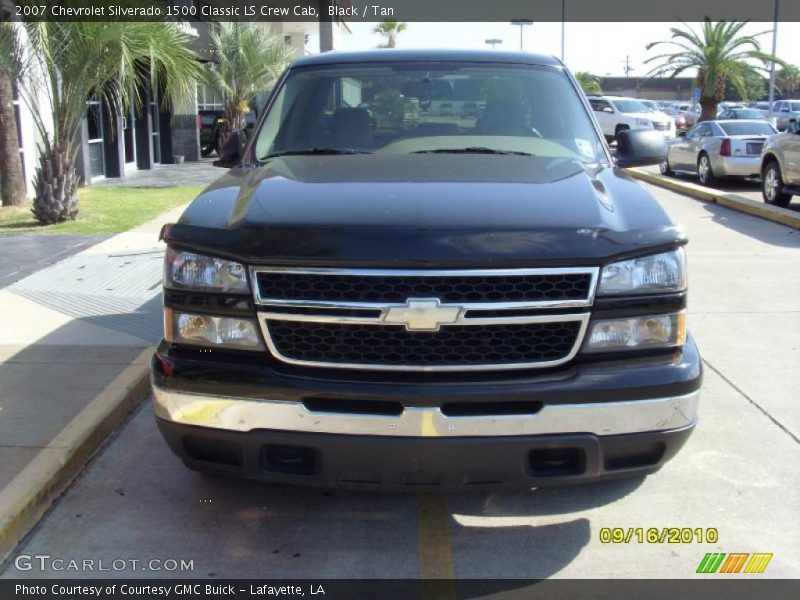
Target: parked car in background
point(214, 129)
point(780, 166)
point(681, 124)
point(688, 112)
point(617, 113)
point(783, 111)
point(761, 105)
point(742, 113)
point(715, 149)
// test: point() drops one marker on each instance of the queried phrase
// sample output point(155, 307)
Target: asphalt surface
point(24, 254)
point(738, 473)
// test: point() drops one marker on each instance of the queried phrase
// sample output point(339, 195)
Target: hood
point(424, 210)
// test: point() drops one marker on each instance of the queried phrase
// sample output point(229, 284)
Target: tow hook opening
point(293, 460)
point(555, 462)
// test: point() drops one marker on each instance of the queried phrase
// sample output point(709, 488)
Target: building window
point(18, 120)
point(94, 122)
point(207, 99)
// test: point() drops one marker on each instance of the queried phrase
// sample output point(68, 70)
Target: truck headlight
point(191, 271)
point(208, 330)
point(637, 333)
point(665, 272)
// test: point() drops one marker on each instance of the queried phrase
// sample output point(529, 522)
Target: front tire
point(704, 172)
point(665, 169)
point(772, 186)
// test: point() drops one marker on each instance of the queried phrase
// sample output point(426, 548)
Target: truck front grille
point(424, 320)
point(453, 346)
point(390, 288)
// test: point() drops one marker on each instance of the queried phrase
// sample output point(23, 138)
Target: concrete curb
point(727, 199)
point(28, 496)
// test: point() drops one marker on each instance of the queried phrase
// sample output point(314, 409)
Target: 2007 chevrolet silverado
point(387, 290)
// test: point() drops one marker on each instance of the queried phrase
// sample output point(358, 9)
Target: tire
point(617, 131)
point(772, 186)
point(704, 172)
point(206, 150)
point(665, 169)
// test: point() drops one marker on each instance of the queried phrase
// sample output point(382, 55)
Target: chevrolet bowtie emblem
point(422, 314)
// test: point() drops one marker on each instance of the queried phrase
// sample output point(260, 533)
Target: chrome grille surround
point(385, 313)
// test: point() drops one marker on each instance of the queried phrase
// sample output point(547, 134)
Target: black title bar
point(353, 11)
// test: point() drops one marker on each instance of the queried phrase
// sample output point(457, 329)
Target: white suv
point(616, 113)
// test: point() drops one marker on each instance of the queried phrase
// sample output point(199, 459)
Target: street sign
point(696, 94)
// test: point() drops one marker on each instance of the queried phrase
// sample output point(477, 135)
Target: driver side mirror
point(232, 149)
point(640, 147)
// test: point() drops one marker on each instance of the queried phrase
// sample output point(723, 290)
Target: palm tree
point(389, 30)
point(12, 182)
point(65, 64)
point(590, 83)
point(787, 80)
point(248, 60)
point(719, 52)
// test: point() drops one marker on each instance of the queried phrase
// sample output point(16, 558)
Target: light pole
point(772, 64)
point(494, 42)
point(521, 23)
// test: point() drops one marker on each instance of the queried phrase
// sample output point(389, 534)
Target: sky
point(600, 48)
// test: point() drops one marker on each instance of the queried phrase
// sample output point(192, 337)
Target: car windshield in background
point(631, 106)
point(762, 128)
point(795, 106)
point(748, 114)
point(437, 107)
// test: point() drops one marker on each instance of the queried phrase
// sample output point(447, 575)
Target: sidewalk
point(75, 334)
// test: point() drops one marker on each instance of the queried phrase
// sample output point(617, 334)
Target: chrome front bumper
point(599, 418)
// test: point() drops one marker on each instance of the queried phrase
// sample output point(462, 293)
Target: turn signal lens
point(657, 331)
point(207, 330)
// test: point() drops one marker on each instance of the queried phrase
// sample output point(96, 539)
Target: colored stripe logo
point(734, 562)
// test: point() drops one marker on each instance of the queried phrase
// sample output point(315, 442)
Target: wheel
point(663, 166)
point(704, 172)
point(772, 186)
point(206, 150)
point(618, 130)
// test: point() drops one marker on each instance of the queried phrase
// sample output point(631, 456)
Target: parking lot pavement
point(748, 188)
point(738, 473)
point(27, 253)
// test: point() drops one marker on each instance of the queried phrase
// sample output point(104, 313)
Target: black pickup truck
point(379, 294)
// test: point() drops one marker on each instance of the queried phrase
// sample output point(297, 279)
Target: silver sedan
point(714, 149)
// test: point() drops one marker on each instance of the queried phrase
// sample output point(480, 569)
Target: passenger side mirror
point(640, 147)
point(232, 149)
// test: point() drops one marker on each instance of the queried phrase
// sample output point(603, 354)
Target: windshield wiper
point(472, 150)
point(309, 151)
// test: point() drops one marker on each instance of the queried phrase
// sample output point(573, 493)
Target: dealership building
point(149, 133)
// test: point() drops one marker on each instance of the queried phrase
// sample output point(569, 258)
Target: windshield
point(429, 107)
point(631, 106)
point(651, 106)
point(762, 128)
point(748, 114)
point(795, 106)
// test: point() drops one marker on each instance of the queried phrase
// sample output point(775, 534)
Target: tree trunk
point(56, 186)
point(708, 108)
point(12, 182)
